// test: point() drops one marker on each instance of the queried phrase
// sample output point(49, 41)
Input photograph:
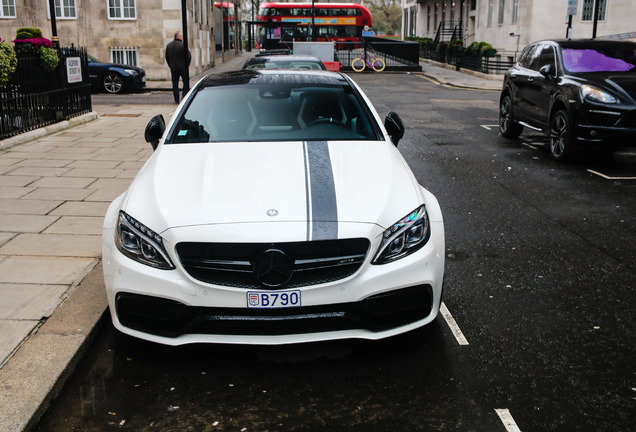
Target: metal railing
point(397, 55)
point(461, 58)
point(34, 97)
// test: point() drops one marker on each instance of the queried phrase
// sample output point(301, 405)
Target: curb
point(54, 351)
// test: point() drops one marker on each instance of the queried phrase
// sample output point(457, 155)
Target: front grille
point(629, 120)
point(377, 313)
point(603, 118)
point(312, 262)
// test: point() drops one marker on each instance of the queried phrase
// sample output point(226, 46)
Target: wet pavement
point(55, 189)
point(539, 280)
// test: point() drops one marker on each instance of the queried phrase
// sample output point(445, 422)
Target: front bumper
point(172, 319)
point(378, 301)
point(603, 126)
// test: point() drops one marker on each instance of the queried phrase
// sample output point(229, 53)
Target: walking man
point(178, 60)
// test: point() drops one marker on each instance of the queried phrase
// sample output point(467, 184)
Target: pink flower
point(38, 42)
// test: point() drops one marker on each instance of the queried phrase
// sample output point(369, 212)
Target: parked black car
point(580, 92)
point(115, 78)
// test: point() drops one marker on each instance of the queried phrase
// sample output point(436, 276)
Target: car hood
point(624, 84)
point(185, 185)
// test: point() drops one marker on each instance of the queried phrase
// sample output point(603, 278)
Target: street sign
point(572, 6)
point(73, 69)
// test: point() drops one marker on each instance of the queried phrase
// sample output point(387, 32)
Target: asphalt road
point(540, 275)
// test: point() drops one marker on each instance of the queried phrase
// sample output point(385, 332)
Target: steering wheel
point(330, 120)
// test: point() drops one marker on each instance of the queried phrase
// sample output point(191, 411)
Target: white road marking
point(453, 325)
point(507, 420)
point(606, 177)
point(489, 127)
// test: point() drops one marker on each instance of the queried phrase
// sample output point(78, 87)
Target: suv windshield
point(611, 59)
point(274, 111)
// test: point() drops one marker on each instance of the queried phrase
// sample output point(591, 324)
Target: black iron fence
point(397, 55)
point(35, 97)
point(459, 57)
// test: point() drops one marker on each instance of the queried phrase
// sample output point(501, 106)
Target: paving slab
point(27, 207)
point(12, 333)
point(14, 191)
point(64, 182)
point(44, 270)
point(14, 180)
point(60, 245)
point(29, 301)
point(58, 194)
point(108, 189)
point(16, 223)
point(78, 225)
point(82, 208)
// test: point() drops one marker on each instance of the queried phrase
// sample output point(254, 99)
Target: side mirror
point(154, 130)
point(394, 126)
point(547, 71)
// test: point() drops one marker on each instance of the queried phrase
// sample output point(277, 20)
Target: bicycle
point(376, 63)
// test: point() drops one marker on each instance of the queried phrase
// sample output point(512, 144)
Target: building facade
point(133, 32)
point(494, 21)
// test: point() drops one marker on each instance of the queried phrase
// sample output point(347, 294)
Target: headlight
point(597, 95)
point(131, 72)
point(404, 237)
point(140, 243)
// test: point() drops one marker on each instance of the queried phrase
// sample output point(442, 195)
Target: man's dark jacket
point(175, 56)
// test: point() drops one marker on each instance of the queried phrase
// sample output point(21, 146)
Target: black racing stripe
point(324, 207)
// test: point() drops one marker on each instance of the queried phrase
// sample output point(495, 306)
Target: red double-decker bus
point(339, 22)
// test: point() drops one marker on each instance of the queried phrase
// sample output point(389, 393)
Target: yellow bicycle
point(376, 63)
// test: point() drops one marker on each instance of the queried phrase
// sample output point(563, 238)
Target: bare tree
point(387, 15)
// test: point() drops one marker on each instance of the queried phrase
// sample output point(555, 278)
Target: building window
point(125, 56)
point(121, 9)
point(500, 17)
point(8, 9)
point(428, 19)
point(489, 18)
point(588, 10)
point(64, 9)
point(515, 10)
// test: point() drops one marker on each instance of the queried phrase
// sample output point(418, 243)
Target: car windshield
point(274, 110)
point(296, 64)
point(610, 59)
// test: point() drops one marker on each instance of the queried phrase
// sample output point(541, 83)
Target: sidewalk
point(55, 186)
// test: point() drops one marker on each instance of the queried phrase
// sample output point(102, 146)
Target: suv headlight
point(597, 95)
point(404, 237)
point(140, 243)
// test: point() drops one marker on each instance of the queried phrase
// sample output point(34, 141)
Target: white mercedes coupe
point(276, 208)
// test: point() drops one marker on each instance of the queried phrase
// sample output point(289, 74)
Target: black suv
point(577, 91)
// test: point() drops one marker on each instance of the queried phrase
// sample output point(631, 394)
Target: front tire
point(113, 83)
point(357, 64)
point(561, 137)
point(507, 126)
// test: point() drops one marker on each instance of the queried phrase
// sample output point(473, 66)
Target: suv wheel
point(561, 140)
point(507, 127)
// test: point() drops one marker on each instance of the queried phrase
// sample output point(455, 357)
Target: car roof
point(272, 76)
point(285, 57)
point(588, 43)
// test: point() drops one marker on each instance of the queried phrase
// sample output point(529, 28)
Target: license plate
point(273, 299)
